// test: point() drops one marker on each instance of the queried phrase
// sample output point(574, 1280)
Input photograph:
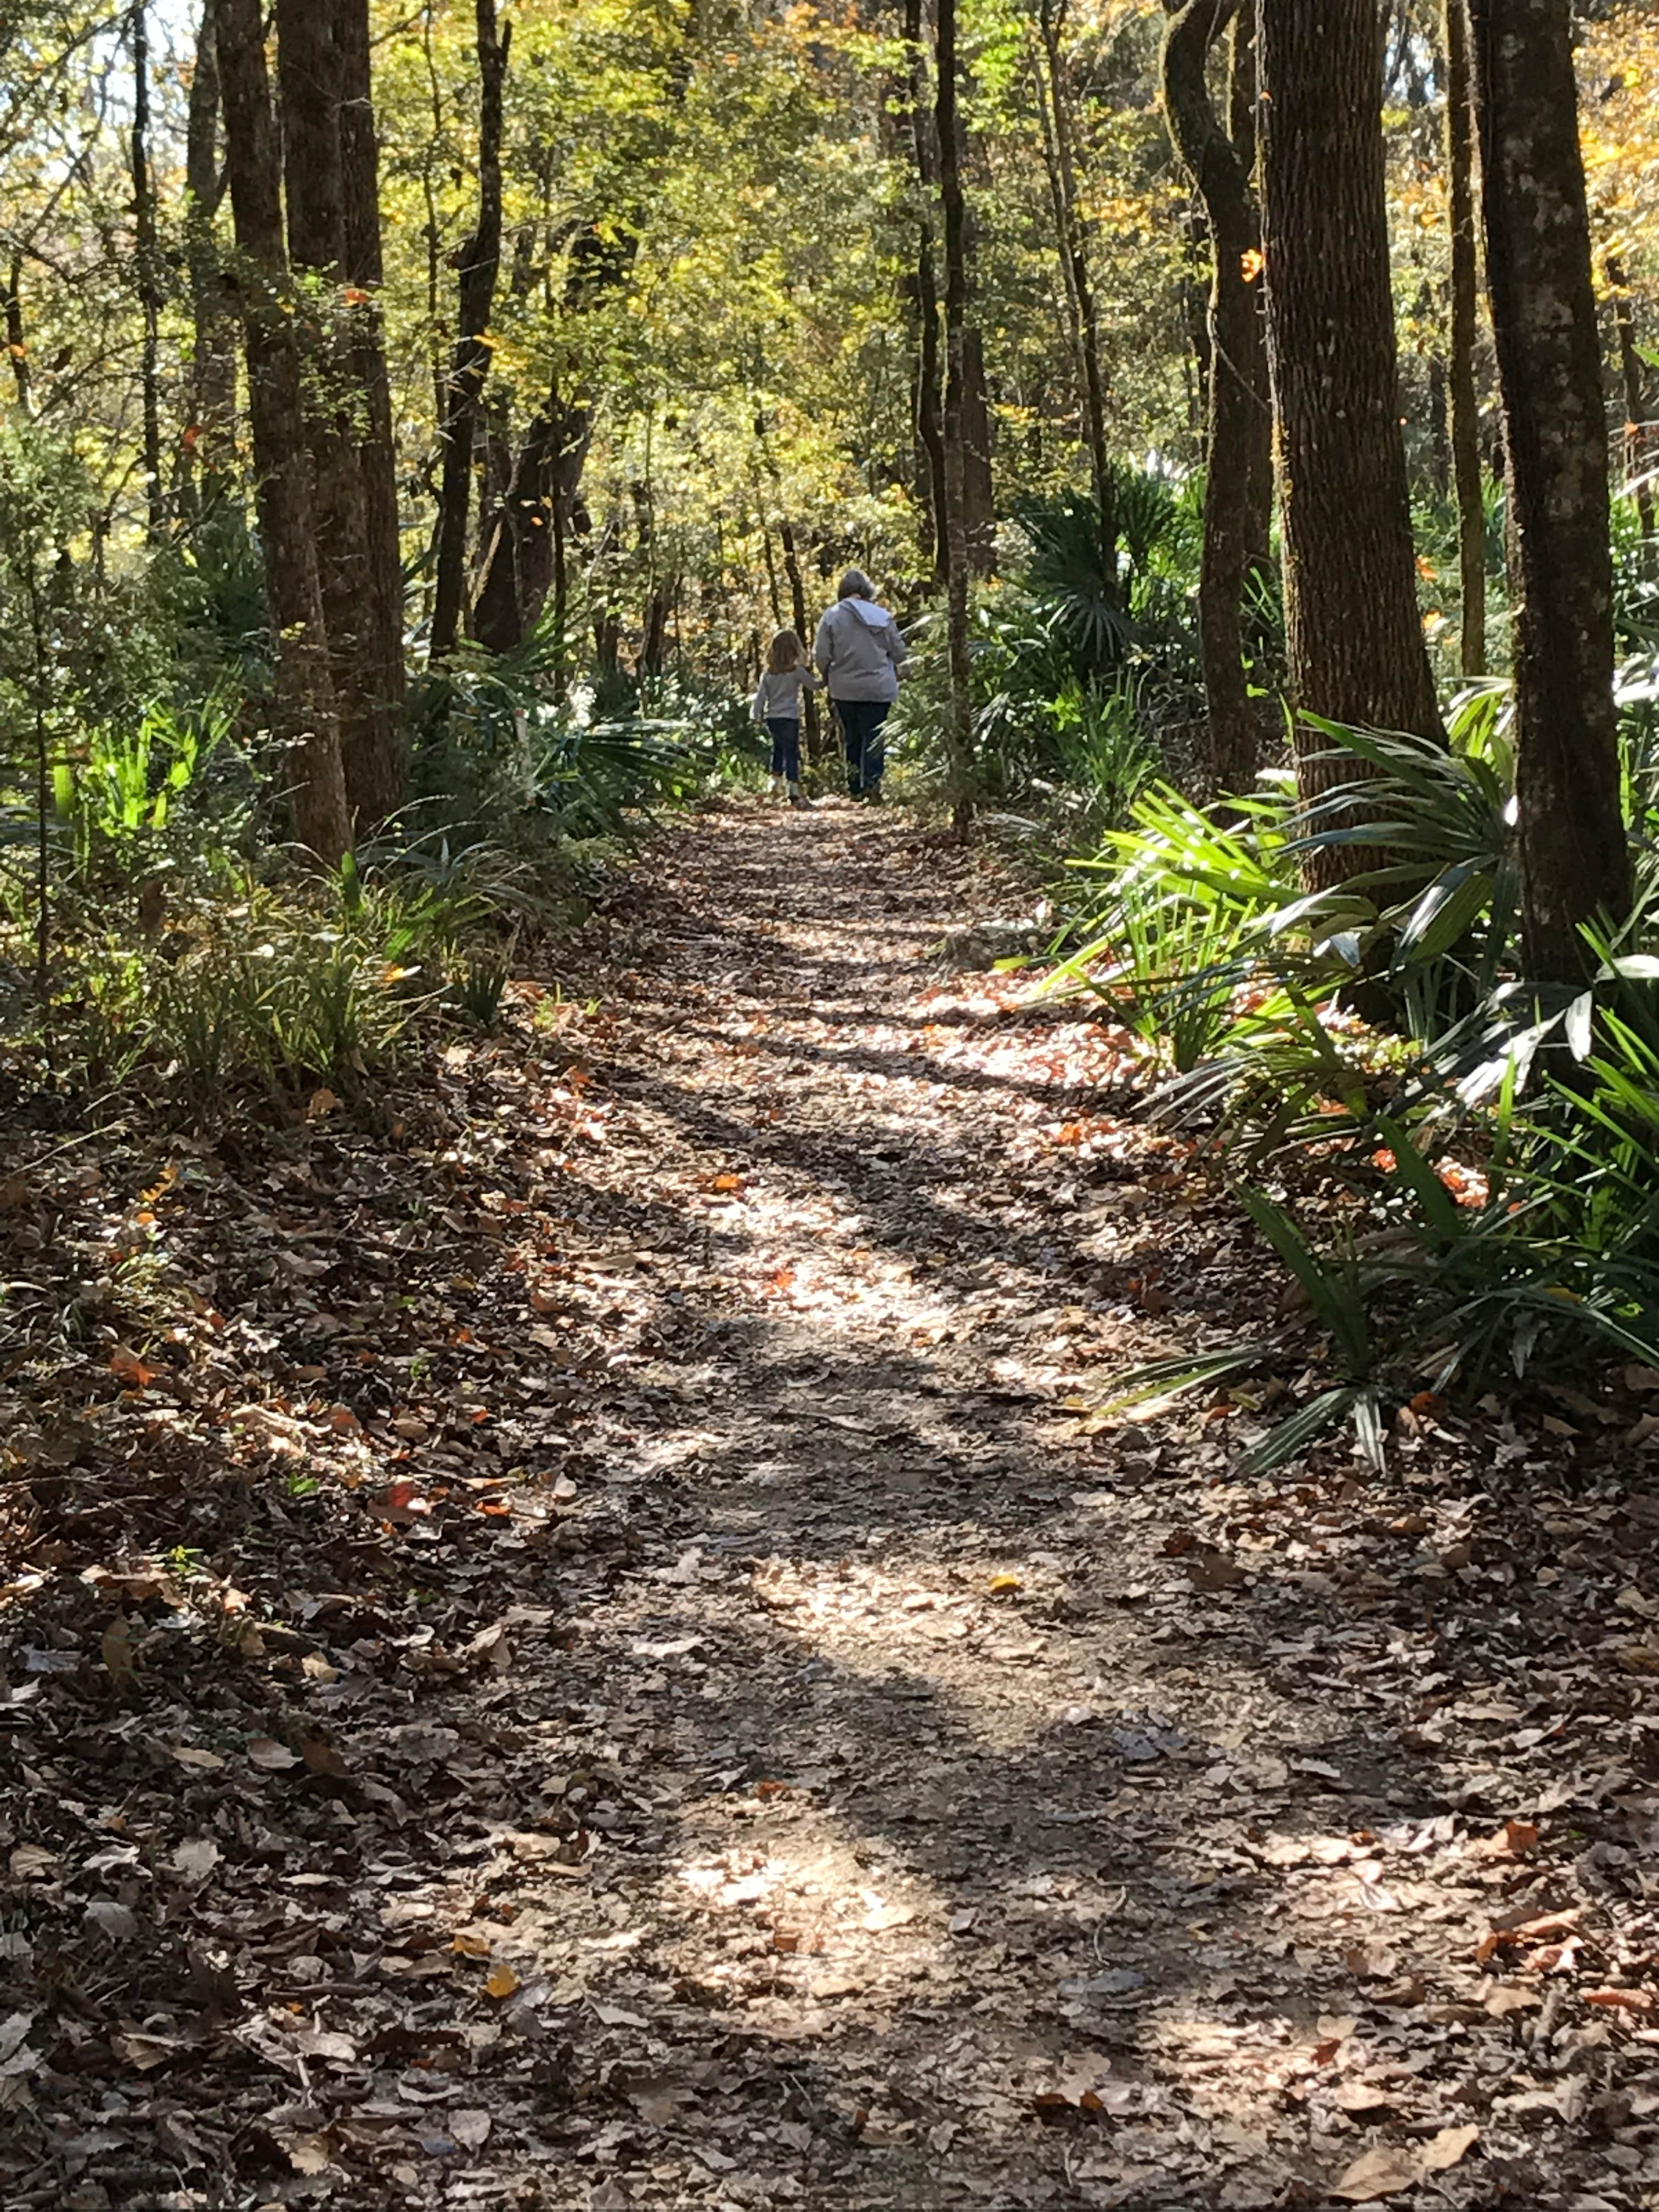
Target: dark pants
point(861, 723)
point(785, 747)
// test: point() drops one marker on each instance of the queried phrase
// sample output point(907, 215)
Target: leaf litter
point(577, 1635)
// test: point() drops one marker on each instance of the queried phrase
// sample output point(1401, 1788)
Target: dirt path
point(829, 1769)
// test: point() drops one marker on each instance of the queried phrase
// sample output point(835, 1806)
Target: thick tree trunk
point(146, 265)
point(1575, 864)
point(310, 81)
point(212, 429)
point(1641, 445)
point(1238, 489)
point(1074, 248)
point(1462, 408)
point(1353, 635)
point(375, 766)
point(480, 261)
point(305, 689)
point(946, 115)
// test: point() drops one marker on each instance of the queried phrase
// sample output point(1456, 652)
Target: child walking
point(777, 706)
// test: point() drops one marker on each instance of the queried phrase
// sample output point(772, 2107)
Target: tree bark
point(1640, 444)
point(929, 398)
point(959, 740)
point(306, 716)
point(11, 302)
point(979, 495)
point(1462, 407)
point(375, 765)
point(480, 266)
point(147, 266)
point(210, 430)
point(1575, 864)
point(1354, 638)
point(1238, 482)
point(310, 82)
point(1074, 248)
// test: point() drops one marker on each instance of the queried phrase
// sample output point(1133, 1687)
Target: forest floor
point(573, 1639)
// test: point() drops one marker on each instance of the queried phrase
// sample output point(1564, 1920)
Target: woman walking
point(861, 655)
point(777, 709)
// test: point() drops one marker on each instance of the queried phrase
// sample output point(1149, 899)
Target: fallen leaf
point(1384, 2172)
point(189, 1754)
point(1363, 2097)
point(196, 1857)
point(503, 1981)
point(470, 2127)
point(883, 1916)
point(118, 1653)
point(119, 1922)
point(1448, 2148)
point(1622, 2000)
point(309, 2153)
point(269, 1756)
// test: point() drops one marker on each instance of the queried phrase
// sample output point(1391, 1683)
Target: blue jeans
point(785, 747)
point(861, 723)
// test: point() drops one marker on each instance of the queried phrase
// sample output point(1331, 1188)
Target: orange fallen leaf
point(1622, 2000)
point(503, 1981)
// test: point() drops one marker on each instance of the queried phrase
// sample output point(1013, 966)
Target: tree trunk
point(1574, 865)
point(1238, 483)
point(375, 766)
point(310, 81)
point(1462, 406)
point(959, 744)
point(16, 343)
point(929, 404)
point(210, 431)
point(979, 495)
point(1074, 248)
point(306, 715)
point(1353, 635)
point(1640, 444)
point(147, 266)
point(480, 261)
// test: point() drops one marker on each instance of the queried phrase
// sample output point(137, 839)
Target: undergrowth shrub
point(1467, 1188)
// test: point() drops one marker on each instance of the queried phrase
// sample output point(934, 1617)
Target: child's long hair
point(786, 651)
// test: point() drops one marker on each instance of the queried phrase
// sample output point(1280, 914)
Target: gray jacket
point(860, 655)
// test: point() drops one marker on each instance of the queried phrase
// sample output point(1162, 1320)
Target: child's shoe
point(797, 797)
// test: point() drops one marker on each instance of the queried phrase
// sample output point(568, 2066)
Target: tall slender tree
point(1462, 406)
point(1575, 863)
point(147, 261)
point(307, 718)
point(209, 432)
point(1353, 635)
point(947, 118)
point(1238, 455)
point(1060, 131)
point(929, 403)
point(1639, 442)
point(480, 266)
point(375, 766)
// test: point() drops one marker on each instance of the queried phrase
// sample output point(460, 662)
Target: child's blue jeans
point(785, 747)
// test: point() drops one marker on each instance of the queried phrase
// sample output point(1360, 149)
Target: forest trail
point(738, 1735)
